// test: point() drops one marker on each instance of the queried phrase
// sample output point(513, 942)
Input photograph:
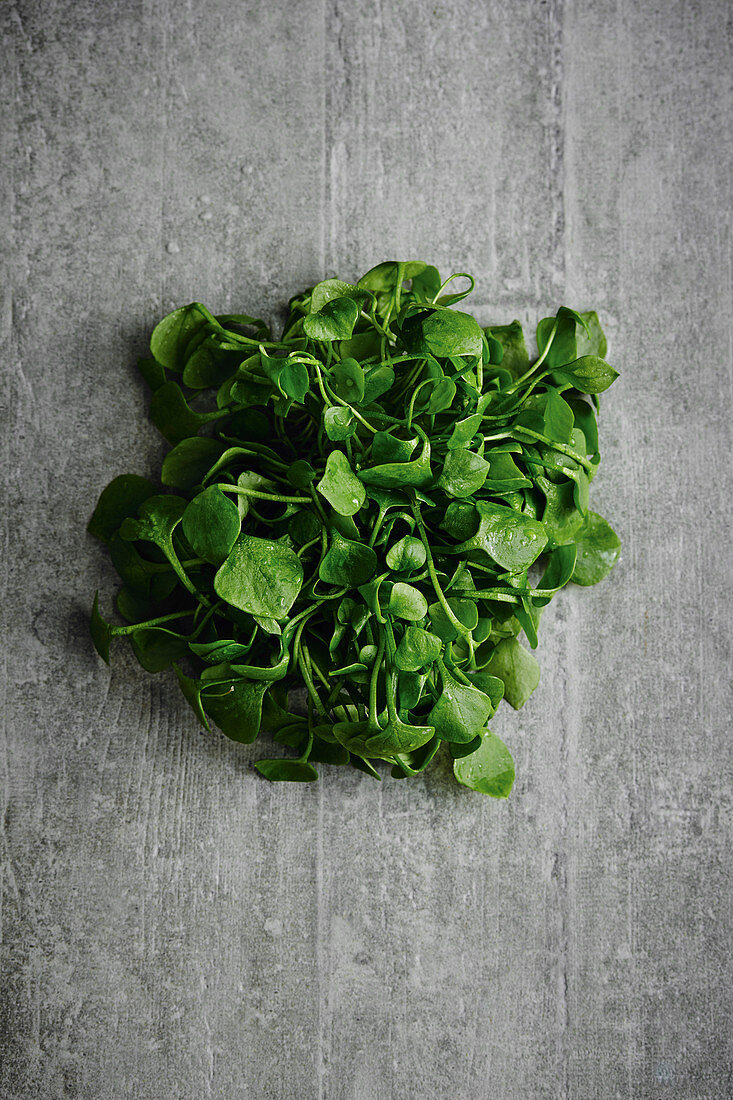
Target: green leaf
point(464, 431)
point(237, 708)
point(564, 341)
point(172, 336)
point(339, 423)
point(208, 366)
point(397, 475)
point(489, 770)
point(334, 321)
point(558, 418)
point(442, 333)
point(330, 289)
point(441, 396)
point(223, 649)
point(153, 373)
point(368, 740)
point(340, 485)
point(397, 737)
point(504, 475)
point(289, 375)
point(347, 381)
point(392, 448)
point(463, 473)
point(172, 416)
point(460, 712)
point(464, 610)
point(287, 771)
point(122, 498)
point(591, 340)
point(159, 517)
point(407, 602)
point(187, 464)
point(211, 525)
point(157, 648)
point(598, 551)
point(407, 555)
point(589, 374)
point(301, 474)
point(260, 576)
point(418, 649)
point(347, 564)
point(377, 382)
point(458, 751)
point(517, 669)
point(191, 690)
point(511, 338)
point(512, 539)
point(561, 519)
point(585, 419)
point(490, 685)
point(100, 631)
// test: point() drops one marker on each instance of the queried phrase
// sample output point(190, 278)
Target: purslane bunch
point(372, 508)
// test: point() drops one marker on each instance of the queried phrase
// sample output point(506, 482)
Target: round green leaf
point(347, 564)
point(418, 649)
point(347, 381)
point(463, 473)
point(407, 602)
point(334, 321)
point(340, 486)
point(211, 525)
point(488, 770)
point(407, 555)
point(598, 550)
point(287, 771)
point(516, 668)
point(260, 576)
point(339, 423)
point(460, 712)
point(236, 708)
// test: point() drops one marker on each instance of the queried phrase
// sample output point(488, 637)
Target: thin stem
point(411, 406)
point(538, 363)
point(457, 624)
point(119, 631)
point(305, 667)
point(330, 398)
point(456, 275)
point(374, 679)
point(240, 491)
point(561, 447)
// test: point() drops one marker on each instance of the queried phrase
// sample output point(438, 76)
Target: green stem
point(538, 363)
point(377, 524)
point(457, 624)
point(391, 673)
point(120, 631)
point(180, 572)
point(305, 668)
point(330, 398)
point(262, 496)
point(374, 680)
point(561, 447)
point(411, 406)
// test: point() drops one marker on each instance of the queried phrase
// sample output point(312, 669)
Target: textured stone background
point(173, 926)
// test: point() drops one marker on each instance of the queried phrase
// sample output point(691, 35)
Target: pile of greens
point(371, 508)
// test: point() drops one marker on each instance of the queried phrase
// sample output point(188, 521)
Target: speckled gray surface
point(174, 927)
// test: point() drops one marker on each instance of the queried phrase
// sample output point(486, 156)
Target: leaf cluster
point(372, 508)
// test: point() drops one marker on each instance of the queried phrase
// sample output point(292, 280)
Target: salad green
point(371, 508)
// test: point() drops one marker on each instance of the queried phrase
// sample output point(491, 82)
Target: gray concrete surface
point(172, 926)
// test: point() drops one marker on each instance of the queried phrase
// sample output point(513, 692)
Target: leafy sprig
point(372, 508)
